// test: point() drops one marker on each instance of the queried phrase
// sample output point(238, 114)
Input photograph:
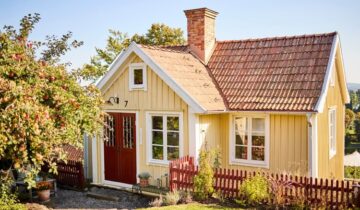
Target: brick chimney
point(201, 31)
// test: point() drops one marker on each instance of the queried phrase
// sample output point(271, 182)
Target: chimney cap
point(207, 11)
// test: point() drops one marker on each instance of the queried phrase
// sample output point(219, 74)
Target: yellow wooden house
point(273, 104)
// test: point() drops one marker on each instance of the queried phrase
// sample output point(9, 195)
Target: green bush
point(352, 172)
point(204, 180)
point(8, 200)
point(255, 190)
point(172, 198)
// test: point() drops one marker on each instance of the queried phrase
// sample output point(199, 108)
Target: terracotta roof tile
point(189, 73)
point(73, 153)
point(275, 74)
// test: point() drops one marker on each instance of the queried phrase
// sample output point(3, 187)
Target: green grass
point(191, 206)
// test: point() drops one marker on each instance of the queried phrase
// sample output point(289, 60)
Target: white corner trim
point(313, 145)
point(321, 101)
point(94, 150)
point(251, 163)
point(194, 134)
point(156, 68)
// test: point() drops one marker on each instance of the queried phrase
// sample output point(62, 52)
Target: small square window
point(137, 76)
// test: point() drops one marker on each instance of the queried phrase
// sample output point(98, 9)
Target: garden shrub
point(277, 190)
point(8, 200)
point(172, 198)
point(185, 197)
point(204, 180)
point(255, 190)
point(352, 172)
point(157, 202)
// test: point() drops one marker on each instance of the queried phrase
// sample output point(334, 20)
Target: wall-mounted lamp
point(113, 100)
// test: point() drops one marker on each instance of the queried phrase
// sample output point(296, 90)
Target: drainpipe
point(313, 144)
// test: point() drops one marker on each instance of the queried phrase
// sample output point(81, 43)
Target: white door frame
point(138, 137)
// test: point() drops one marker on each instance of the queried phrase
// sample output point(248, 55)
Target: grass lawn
point(191, 206)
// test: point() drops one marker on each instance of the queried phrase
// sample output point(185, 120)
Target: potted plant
point(43, 190)
point(144, 179)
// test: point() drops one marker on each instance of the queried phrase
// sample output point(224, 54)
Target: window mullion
point(165, 137)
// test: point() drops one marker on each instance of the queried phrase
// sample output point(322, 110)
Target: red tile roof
point(73, 153)
point(275, 74)
point(268, 74)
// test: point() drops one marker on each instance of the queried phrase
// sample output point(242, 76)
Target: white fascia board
point(321, 101)
point(168, 80)
point(156, 68)
point(346, 91)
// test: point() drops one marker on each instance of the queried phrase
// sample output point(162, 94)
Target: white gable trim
point(332, 59)
point(120, 59)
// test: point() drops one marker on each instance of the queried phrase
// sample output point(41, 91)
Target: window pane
point(157, 137)
point(157, 153)
point(138, 76)
point(173, 153)
point(240, 124)
point(258, 153)
point(258, 124)
point(157, 122)
point(173, 123)
point(241, 138)
point(241, 152)
point(173, 138)
point(258, 140)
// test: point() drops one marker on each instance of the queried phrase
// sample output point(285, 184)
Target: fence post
point(356, 191)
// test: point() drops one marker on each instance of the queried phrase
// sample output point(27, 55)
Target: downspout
point(313, 144)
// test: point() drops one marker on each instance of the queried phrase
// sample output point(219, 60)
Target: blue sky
point(89, 20)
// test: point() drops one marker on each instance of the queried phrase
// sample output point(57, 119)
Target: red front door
point(120, 148)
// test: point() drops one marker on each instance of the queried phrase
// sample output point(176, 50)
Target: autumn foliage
point(42, 105)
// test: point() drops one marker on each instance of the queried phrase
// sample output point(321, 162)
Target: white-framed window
point(165, 137)
point(137, 76)
point(332, 131)
point(250, 140)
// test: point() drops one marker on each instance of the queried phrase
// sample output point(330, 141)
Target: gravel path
point(66, 199)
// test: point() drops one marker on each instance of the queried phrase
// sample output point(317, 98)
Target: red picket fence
point(313, 191)
point(71, 174)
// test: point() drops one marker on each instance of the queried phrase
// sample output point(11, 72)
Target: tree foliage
point(158, 34)
point(349, 118)
point(42, 106)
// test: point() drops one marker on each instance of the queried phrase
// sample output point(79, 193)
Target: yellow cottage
point(275, 104)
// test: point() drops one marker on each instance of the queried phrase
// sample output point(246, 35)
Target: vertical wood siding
point(288, 142)
point(334, 167)
point(158, 97)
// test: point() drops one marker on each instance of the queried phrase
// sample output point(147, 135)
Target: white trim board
point(134, 48)
point(329, 71)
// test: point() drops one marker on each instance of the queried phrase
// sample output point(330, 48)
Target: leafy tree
point(349, 118)
point(354, 100)
point(42, 105)
point(357, 126)
point(158, 34)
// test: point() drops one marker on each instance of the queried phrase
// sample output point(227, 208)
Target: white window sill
point(257, 164)
point(138, 88)
point(332, 153)
point(162, 163)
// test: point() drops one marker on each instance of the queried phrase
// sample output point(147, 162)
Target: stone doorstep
point(102, 196)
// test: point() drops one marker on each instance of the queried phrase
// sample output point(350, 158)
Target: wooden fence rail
point(313, 191)
point(71, 174)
